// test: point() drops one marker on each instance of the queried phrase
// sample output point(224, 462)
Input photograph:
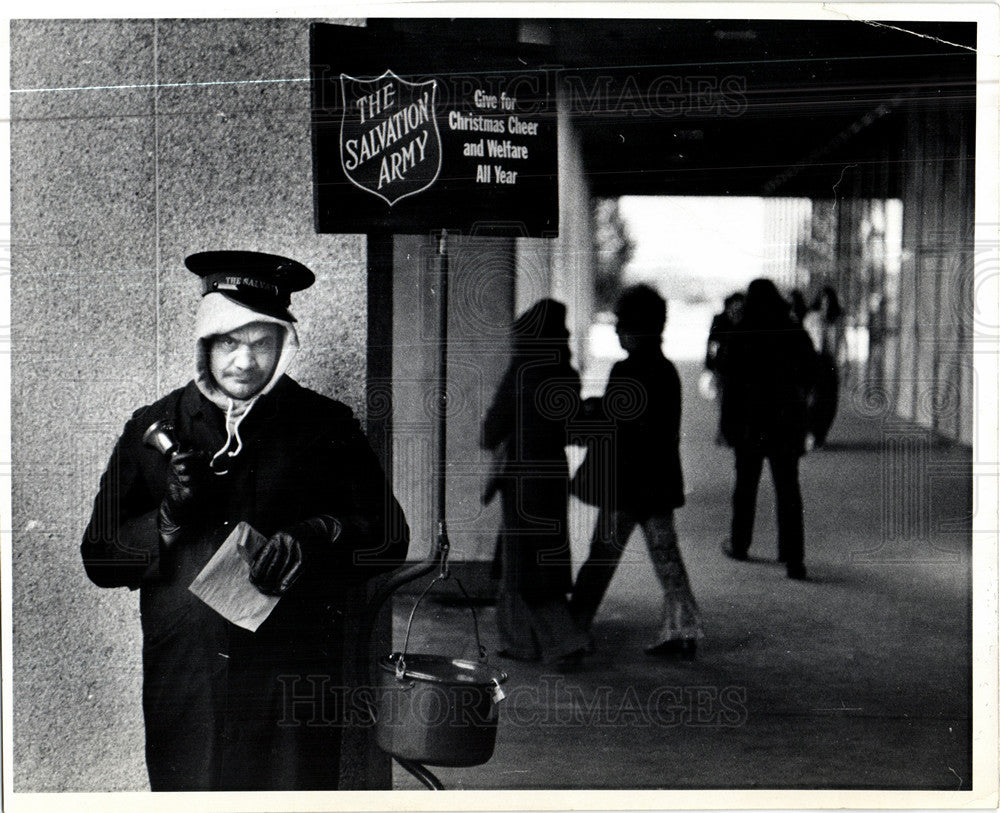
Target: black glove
point(278, 563)
point(186, 474)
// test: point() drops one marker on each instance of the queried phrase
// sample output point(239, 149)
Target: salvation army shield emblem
point(389, 140)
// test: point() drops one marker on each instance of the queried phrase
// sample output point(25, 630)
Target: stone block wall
point(133, 144)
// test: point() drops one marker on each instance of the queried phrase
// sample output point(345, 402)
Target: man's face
point(243, 361)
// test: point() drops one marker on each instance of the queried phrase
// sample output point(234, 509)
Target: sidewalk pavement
point(858, 678)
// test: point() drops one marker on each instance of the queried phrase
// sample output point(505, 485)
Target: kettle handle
point(401, 662)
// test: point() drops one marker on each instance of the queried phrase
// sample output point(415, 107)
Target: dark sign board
point(417, 132)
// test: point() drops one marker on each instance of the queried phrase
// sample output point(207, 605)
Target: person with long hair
point(769, 371)
point(723, 325)
point(822, 325)
point(526, 427)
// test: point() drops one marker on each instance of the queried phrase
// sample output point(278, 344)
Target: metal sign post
point(438, 555)
point(443, 546)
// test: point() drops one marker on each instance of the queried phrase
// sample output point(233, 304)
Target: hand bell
point(160, 436)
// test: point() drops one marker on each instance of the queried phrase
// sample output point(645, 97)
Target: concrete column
point(481, 292)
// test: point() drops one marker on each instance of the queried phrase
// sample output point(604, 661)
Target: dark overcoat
point(642, 404)
point(768, 370)
point(227, 709)
point(527, 424)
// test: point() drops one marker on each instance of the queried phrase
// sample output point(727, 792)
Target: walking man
point(768, 372)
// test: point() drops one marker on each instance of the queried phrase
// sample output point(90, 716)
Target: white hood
point(217, 314)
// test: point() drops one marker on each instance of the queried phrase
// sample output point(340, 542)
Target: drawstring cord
point(232, 431)
point(236, 426)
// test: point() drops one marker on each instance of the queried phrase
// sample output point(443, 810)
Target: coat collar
point(193, 401)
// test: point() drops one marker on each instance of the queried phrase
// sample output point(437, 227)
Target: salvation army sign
point(389, 140)
point(419, 133)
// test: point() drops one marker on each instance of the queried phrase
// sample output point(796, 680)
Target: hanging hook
point(444, 548)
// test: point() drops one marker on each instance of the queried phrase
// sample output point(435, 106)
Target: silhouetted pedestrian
point(526, 425)
point(769, 370)
point(723, 325)
point(822, 325)
point(645, 481)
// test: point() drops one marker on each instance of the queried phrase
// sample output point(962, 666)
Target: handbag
point(594, 480)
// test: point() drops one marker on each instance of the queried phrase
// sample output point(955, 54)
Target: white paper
point(224, 583)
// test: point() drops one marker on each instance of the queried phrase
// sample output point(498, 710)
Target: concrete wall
point(925, 373)
point(938, 218)
point(113, 183)
point(481, 280)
